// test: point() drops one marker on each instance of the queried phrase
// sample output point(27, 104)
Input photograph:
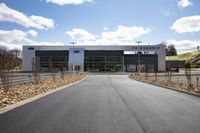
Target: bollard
point(197, 81)
point(177, 80)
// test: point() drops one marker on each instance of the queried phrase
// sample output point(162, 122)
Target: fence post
point(197, 81)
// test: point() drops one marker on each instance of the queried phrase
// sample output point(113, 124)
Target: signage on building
point(76, 51)
point(30, 48)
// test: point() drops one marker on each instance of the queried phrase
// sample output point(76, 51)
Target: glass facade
point(143, 67)
point(96, 61)
point(103, 63)
point(148, 63)
point(53, 63)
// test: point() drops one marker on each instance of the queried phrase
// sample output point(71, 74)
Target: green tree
point(171, 50)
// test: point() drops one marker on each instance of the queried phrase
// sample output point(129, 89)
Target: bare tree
point(35, 67)
point(17, 55)
point(51, 67)
point(147, 71)
point(15, 52)
point(62, 72)
point(169, 75)
point(7, 64)
point(156, 74)
point(188, 75)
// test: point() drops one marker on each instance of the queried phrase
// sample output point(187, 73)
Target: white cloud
point(41, 22)
point(19, 45)
point(15, 39)
point(66, 2)
point(184, 3)
point(47, 43)
point(32, 33)
point(124, 33)
point(13, 35)
point(122, 36)
point(184, 46)
point(187, 24)
point(80, 35)
point(11, 15)
point(10, 46)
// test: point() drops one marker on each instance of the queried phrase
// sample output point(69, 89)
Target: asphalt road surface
point(107, 104)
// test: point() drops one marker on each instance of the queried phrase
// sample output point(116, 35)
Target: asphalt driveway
point(107, 104)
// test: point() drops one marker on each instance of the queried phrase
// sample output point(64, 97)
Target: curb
point(170, 88)
point(21, 103)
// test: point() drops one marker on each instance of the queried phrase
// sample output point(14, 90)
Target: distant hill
point(184, 56)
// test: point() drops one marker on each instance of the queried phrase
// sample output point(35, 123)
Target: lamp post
point(138, 42)
point(73, 56)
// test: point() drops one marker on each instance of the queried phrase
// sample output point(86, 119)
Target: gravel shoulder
point(25, 91)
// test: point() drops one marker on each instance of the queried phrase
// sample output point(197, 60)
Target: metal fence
point(21, 78)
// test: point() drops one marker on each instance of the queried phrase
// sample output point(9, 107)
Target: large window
point(103, 63)
point(53, 63)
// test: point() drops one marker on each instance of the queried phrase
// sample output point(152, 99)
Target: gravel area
point(21, 92)
point(175, 84)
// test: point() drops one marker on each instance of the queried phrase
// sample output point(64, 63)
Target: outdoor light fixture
point(73, 56)
point(138, 42)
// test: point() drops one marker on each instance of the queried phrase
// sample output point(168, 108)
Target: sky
point(100, 22)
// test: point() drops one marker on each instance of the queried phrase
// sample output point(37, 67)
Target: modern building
point(130, 58)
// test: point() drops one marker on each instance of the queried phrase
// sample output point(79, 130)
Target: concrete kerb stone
point(13, 106)
point(169, 88)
